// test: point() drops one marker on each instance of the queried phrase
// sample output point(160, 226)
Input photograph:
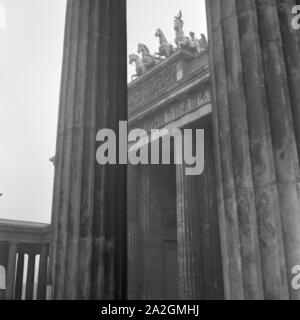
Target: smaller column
point(30, 277)
point(132, 239)
point(19, 276)
point(10, 272)
point(42, 278)
point(145, 228)
point(188, 233)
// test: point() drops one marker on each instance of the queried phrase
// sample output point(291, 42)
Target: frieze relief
point(151, 88)
point(175, 111)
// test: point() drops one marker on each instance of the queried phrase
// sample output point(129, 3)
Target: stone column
point(199, 253)
point(19, 276)
point(188, 233)
point(133, 232)
point(145, 229)
point(43, 270)
point(255, 76)
point(11, 270)
point(88, 238)
point(30, 277)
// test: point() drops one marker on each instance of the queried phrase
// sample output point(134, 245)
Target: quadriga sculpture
point(147, 61)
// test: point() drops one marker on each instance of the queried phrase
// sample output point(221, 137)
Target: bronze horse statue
point(148, 59)
point(140, 68)
point(165, 48)
point(144, 63)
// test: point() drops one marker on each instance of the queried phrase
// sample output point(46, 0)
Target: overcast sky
point(31, 42)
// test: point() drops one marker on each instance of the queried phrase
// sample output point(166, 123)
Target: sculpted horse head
point(134, 58)
point(143, 49)
point(158, 32)
point(161, 36)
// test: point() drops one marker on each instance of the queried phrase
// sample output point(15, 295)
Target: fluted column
point(30, 277)
point(43, 270)
point(133, 232)
point(199, 252)
point(188, 232)
point(10, 271)
point(255, 76)
point(145, 229)
point(88, 238)
point(19, 276)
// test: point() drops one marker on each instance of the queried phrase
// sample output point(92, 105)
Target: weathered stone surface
point(166, 80)
point(11, 267)
point(88, 237)
point(254, 61)
point(152, 241)
point(19, 276)
point(199, 254)
point(43, 274)
point(30, 277)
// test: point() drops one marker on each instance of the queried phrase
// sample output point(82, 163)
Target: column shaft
point(255, 70)
point(145, 228)
point(43, 270)
point(10, 271)
point(88, 238)
point(30, 277)
point(19, 276)
point(133, 233)
point(199, 253)
point(188, 231)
